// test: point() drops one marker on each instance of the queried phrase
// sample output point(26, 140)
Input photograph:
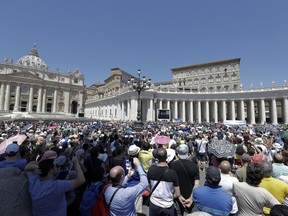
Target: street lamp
point(139, 85)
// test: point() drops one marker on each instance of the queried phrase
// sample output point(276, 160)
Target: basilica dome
point(32, 60)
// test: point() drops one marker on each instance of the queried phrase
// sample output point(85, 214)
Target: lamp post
point(139, 85)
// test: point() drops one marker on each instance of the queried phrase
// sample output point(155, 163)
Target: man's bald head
point(225, 167)
point(278, 158)
point(161, 154)
point(117, 175)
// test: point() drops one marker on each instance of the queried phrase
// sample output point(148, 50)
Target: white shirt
point(227, 182)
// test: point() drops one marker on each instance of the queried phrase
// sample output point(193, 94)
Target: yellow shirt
point(145, 158)
point(278, 188)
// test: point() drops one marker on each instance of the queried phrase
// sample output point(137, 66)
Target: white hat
point(133, 150)
point(170, 155)
point(259, 140)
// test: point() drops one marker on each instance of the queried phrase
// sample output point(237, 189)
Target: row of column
point(200, 111)
point(5, 95)
point(226, 110)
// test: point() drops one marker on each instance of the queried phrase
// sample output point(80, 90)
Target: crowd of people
point(52, 169)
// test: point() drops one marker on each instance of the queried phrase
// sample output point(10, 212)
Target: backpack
point(89, 197)
point(100, 207)
point(15, 198)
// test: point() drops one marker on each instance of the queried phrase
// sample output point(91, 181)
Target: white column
point(160, 104)
point(175, 109)
point(134, 109)
point(122, 110)
point(215, 111)
point(17, 99)
point(117, 111)
point(39, 99)
point(68, 105)
point(183, 111)
point(252, 112)
point(223, 113)
point(285, 110)
point(207, 111)
point(31, 96)
point(150, 110)
point(168, 104)
point(44, 100)
point(55, 99)
point(241, 110)
point(191, 111)
point(7, 97)
point(232, 110)
point(273, 111)
point(128, 109)
point(198, 116)
point(2, 94)
point(81, 105)
point(262, 111)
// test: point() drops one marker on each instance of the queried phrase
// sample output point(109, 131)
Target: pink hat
point(48, 155)
point(257, 158)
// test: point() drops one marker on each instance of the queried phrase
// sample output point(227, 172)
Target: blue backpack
point(89, 197)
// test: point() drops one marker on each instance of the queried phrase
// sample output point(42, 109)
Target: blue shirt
point(279, 169)
point(48, 197)
point(123, 201)
point(212, 199)
point(20, 163)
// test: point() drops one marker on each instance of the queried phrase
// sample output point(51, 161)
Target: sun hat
point(133, 150)
point(48, 155)
point(259, 140)
point(170, 155)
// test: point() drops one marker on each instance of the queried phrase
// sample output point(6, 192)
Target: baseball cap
point(213, 173)
point(246, 157)
point(257, 158)
point(12, 149)
point(182, 151)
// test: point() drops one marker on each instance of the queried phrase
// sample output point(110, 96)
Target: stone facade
point(192, 96)
point(28, 86)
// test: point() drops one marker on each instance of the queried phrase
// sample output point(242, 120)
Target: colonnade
point(261, 110)
point(34, 96)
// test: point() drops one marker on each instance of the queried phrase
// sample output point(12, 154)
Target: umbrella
point(52, 127)
point(19, 138)
point(162, 140)
point(26, 127)
point(221, 148)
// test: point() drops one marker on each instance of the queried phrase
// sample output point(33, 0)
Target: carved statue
point(5, 60)
point(285, 83)
point(261, 84)
point(273, 83)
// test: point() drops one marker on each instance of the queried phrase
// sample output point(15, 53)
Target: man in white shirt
point(227, 181)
